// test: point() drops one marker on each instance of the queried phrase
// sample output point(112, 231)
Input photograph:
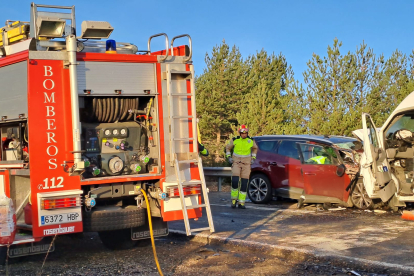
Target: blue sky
point(294, 28)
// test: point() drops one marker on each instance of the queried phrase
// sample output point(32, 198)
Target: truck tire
point(3, 255)
point(117, 239)
point(107, 218)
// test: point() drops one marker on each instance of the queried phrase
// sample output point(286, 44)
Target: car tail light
point(58, 203)
point(188, 190)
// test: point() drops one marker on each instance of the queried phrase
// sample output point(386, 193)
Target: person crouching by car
point(244, 154)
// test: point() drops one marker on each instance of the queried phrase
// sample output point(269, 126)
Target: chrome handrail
point(166, 44)
point(189, 42)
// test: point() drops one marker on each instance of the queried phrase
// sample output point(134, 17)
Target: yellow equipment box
point(15, 32)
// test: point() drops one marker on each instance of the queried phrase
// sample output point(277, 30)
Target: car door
point(319, 167)
point(375, 157)
point(286, 169)
point(267, 160)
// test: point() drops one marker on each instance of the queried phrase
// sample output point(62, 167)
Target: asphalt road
point(274, 239)
point(375, 238)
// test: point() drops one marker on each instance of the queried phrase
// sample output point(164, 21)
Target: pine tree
point(328, 87)
point(262, 109)
point(394, 81)
point(219, 91)
point(337, 90)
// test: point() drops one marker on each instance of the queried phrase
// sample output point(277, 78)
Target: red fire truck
point(88, 125)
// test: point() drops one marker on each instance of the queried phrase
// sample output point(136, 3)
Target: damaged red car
point(310, 169)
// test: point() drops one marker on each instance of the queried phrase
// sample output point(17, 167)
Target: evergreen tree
point(262, 108)
point(296, 108)
point(329, 83)
point(262, 92)
point(219, 91)
point(393, 82)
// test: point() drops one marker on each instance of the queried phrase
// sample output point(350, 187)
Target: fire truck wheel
point(117, 239)
point(108, 218)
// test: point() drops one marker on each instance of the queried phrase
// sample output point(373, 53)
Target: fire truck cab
point(87, 125)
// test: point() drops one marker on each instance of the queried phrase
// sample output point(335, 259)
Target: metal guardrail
point(220, 172)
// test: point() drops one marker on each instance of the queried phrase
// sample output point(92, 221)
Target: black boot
point(233, 203)
point(241, 206)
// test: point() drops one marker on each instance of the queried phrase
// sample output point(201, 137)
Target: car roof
point(329, 140)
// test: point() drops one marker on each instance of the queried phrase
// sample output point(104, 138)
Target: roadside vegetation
point(262, 92)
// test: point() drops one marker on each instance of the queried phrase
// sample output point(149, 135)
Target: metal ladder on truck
point(193, 157)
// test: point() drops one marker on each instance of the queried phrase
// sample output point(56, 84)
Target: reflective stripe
point(238, 155)
point(242, 197)
point(234, 193)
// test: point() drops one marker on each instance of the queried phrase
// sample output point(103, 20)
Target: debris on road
point(337, 209)
point(206, 249)
point(380, 211)
point(354, 273)
point(407, 215)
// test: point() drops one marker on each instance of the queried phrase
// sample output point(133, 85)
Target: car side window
point(372, 132)
point(289, 149)
point(268, 146)
point(318, 155)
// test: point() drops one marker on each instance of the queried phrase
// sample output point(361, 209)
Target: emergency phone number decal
point(52, 183)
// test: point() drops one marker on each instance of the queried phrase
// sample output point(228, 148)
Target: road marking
point(250, 207)
point(288, 248)
point(266, 208)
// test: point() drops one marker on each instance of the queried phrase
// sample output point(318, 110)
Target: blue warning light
point(111, 46)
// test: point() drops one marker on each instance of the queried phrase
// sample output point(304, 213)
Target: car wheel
point(360, 198)
point(259, 189)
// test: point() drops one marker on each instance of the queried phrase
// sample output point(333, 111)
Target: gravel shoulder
point(179, 256)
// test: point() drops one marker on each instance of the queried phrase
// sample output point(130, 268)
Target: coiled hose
point(151, 232)
point(109, 109)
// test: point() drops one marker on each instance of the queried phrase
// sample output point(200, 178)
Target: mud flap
point(159, 227)
point(388, 191)
point(33, 248)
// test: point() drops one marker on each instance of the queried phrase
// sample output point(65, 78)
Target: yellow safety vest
point(319, 159)
point(242, 147)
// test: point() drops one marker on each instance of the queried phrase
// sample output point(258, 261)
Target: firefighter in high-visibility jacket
point(202, 149)
point(244, 154)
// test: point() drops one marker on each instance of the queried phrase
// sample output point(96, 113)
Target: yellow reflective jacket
point(242, 147)
point(319, 159)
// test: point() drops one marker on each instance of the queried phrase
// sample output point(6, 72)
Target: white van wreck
point(387, 167)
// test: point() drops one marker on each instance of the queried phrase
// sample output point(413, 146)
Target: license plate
point(60, 218)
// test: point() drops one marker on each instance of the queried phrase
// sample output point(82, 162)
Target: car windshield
point(346, 145)
point(404, 122)
point(343, 142)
